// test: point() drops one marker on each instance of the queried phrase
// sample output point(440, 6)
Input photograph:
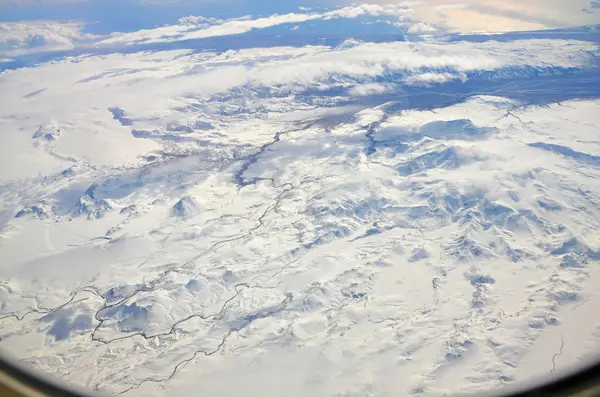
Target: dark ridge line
point(34, 93)
point(238, 177)
point(274, 205)
point(183, 363)
point(90, 242)
point(97, 315)
point(217, 244)
point(510, 113)
point(277, 201)
point(148, 288)
point(44, 311)
point(61, 157)
point(145, 288)
point(179, 365)
point(580, 304)
point(179, 322)
point(370, 135)
point(435, 283)
point(284, 267)
point(152, 284)
point(253, 159)
point(172, 329)
point(562, 345)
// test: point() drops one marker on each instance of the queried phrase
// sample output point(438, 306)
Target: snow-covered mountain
point(361, 217)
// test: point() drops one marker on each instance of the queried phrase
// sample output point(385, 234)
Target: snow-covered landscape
point(255, 205)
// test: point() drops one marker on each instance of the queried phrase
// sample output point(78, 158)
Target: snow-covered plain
point(361, 219)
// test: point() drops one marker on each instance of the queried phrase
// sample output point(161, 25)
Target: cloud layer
point(21, 38)
point(187, 31)
point(425, 18)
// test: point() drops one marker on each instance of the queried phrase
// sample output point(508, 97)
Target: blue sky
point(106, 16)
point(129, 15)
point(46, 29)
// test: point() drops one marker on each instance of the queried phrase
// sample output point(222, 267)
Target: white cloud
point(189, 31)
point(369, 89)
point(198, 20)
point(451, 6)
point(19, 38)
point(422, 28)
point(37, 36)
point(370, 59)
point(504, 15)
point(437, 78)
point(399, 10)
point(238, 27)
